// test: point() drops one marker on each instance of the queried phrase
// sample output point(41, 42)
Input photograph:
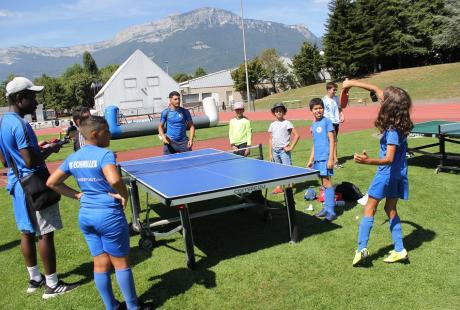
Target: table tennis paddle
point(344, 97)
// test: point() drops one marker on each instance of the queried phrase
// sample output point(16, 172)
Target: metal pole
point(245, 59)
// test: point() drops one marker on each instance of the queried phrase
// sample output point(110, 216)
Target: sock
point(364, 232)
point(125, 281)
point(52, 280)
point(329, 203)
point(104, 286)
point(34, 273)
point(396, 233)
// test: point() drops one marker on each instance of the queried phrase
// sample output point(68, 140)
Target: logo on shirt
point(83, 164)
point(319, 129)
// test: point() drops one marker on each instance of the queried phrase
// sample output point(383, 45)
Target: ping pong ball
point(357, 217)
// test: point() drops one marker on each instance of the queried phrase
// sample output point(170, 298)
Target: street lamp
point(245, 59)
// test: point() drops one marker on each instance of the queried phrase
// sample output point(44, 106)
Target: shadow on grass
point(429, 162)
point(85, 270)
point(9, 245)
point(225, 236)
point(344, 159)
point(411, 241)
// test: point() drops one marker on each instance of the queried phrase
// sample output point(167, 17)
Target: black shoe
point(61, 288)
point(321, 214)
point(121, 305)
point(34, 285)
point(144, 306)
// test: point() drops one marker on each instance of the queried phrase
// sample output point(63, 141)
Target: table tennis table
point(179, 179)
point(444, 131)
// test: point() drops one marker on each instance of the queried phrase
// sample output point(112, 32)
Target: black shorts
point(336, 130)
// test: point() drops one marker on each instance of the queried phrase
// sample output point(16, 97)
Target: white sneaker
point(309, 208)
point(363, 200)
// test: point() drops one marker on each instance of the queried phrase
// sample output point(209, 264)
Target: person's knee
point(102, 263)
point(121, 262)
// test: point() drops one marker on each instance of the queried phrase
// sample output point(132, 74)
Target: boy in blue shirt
point(322, 156)
point(177, 120)
point(102, 199)
point(19, 147)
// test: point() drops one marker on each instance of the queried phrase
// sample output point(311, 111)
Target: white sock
point(52, 280)
point(34, 273)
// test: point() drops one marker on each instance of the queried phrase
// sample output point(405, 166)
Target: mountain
point(208, 37)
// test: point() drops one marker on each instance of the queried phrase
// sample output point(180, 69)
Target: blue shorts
point(321, 165)
point(281, 156)
point(388, 186)
point(105, 231)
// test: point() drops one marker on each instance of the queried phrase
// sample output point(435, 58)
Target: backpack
point(349, 191)
point(310, 194)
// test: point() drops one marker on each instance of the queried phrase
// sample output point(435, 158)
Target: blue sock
point(125, 281)
point(104, 286)
point(396, 233)
point(329, 203)
point(364, 232)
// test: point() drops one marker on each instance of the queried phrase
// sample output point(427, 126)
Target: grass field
point(422, 83)
point(246, 263)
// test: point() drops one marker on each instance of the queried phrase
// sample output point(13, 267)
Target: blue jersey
point(17, 134)
point(319, 131)
point(399, 165)
point(176, 122)
point(86, 167)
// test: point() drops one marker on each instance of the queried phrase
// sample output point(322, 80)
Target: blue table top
point(206, 171)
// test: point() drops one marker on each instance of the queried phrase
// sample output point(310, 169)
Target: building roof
point(216, 79)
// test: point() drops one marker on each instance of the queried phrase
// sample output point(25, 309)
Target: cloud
point(6, 13)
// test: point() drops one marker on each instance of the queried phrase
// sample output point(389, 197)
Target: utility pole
point(245, 60)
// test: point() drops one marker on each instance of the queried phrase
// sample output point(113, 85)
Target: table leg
point(290, 206)
point(442, 151)
point(188, 235)
point(135, 205)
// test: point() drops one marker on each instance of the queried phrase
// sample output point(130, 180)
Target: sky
point(52, 23)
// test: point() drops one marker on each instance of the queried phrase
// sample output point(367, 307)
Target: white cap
point(19, 84)
point(238, 105)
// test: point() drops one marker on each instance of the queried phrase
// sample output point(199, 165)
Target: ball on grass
point(357, 217)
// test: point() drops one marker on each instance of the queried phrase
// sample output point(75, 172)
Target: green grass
point(246, 263)
point(422, 83)
point(221, 131)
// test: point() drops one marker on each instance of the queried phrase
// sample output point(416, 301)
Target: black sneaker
point(61, 288)
point(34, 285)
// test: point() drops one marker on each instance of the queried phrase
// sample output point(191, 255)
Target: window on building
point(130, 83)
point(153, 81)
point(205, 95)
point(190, 98)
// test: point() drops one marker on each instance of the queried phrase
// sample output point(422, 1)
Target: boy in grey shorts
point(280, 142)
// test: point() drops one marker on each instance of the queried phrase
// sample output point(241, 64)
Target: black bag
point(38, 195)
point(349, 191)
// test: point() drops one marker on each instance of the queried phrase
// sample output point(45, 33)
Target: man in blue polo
point(177, 121)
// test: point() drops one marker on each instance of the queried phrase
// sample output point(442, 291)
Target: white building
point(218, 85)
point(139, 86)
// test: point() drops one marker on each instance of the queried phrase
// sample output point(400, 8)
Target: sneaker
point(277, 190)
point(321, 214)
point(360, 257)
point(61, 288)
point(396, 256)
point(34, 285)
point(330, 218)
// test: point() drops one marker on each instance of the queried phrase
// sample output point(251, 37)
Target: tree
point(448, 38)
point(199, 72)
point(181, 77)
point(307, 64)
point(89, 64)
point(106, 72)
point(72, 70)
point(78, 89)
point(53, 95)
point(275, 70)
point(256, 74)
point(339, 39)
point(3, 99)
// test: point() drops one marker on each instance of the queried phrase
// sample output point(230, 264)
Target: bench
point(361, 100)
